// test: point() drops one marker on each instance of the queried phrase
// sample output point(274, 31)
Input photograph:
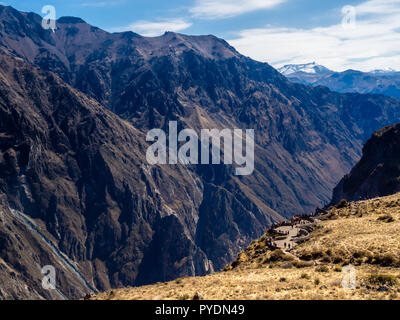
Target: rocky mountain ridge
point(377, 174)
point(76, 105)
point(78, 172)
point(386, 82)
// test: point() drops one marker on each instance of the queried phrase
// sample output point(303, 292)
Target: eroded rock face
point(378, 172)
point(80, 173)
point(307, 138)
point(73, 155)
point(25, 249)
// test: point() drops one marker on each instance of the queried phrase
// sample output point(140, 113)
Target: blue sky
point(275, 31)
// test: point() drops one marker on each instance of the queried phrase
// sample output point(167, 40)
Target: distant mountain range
point(77, 192)
point(385, 82)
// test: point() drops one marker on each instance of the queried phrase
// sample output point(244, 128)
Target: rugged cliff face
point(378, 172)
point(25, 248)
point(78, 172)
point(307, 138)
point(73, 150)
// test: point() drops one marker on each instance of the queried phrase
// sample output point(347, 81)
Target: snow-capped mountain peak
point(384, 71)
point(311, 68)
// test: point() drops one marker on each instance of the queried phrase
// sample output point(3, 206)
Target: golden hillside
point(364, 234)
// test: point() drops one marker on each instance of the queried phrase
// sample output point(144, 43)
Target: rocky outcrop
point(378, 172)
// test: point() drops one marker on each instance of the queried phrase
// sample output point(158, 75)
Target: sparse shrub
point(260, 245)
point(382, 279)
point(386, 218)
point(305, 276)
point(242, 258)
point(316, 254)
point(302, 264)
point(282, 279)
point(197, 296)
point(228, 267)
point(322, 269)
point(278, 255)
point(384, 260)
point(337, 269)
point(306, 255)
point(111, 294)
point(334, 216)
point(326, 259)
point(342, 204)
point(337, 259)
point(317, 282)
point(358, 254)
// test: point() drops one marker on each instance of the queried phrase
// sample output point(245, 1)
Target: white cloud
point(379, 7)
point(156, 28)
point(374, 43)
point(218, 9)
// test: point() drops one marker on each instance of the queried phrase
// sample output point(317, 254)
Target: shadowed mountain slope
point(79, 172)
point(307, 138)
point(378, 172)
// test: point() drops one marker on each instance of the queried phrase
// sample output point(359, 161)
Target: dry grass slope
point(365, 234)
